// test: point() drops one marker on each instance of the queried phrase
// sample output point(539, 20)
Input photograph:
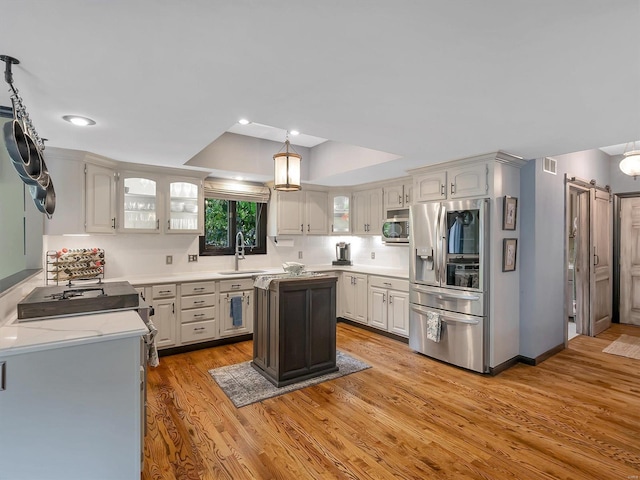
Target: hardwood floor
point(575, 416)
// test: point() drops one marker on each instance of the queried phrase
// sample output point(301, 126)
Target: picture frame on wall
point(509, 212)
point(509, 254)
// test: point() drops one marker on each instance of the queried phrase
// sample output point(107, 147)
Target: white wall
point(542, 274)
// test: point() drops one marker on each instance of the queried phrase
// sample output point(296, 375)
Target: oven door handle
point(444, 318)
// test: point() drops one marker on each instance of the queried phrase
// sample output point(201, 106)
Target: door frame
point(617, 223)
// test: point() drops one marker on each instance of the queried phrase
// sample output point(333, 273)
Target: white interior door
point(630, 260)
point(601, 261)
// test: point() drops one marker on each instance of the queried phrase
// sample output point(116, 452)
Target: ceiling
point(429, 81)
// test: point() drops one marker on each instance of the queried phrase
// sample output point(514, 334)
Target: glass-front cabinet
point(140, 203)
point(339, 206)
point(184, 199)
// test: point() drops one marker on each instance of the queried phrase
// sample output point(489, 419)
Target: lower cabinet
point(389, 305)
point(198, 312)
point(238, 293)
point(354, 298)
point(163, 301)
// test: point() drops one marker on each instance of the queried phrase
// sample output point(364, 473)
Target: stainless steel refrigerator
point(449, 275)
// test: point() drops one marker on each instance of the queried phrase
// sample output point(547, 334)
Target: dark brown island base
point(294, 335)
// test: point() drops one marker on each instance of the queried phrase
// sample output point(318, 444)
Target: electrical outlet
point(373, 255)
point(299, 254)
point(169, 259)
point(193, 258)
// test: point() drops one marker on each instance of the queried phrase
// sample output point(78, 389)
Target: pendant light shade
point(287, 169)
point(630, 164)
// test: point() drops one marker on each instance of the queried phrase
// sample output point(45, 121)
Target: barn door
point(630, 260)
point(601, 262)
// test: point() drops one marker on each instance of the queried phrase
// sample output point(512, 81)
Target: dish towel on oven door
point(236, 311)
point(434, 326)
point(150, 340)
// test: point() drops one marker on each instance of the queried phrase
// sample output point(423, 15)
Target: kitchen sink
point(240, 272)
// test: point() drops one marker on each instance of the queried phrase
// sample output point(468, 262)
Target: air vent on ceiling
point(549, 165)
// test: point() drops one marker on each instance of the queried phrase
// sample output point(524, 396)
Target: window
point(223, 219)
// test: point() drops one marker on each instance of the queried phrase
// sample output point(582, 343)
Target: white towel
point(434, 326)
point(150, 340)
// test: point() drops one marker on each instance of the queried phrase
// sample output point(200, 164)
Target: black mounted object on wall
point(25, 148)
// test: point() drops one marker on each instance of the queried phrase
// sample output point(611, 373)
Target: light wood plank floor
point(575, 416)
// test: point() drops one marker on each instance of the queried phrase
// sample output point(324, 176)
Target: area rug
point(625, 346)
point(244, 385)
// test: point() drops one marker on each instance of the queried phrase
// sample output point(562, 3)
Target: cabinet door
point(245, 324)
point(100, 200)
point(339, 206)
point(431, 186)
point(316, 213)
point(183, 203)
point(468, 181)
point(139, 204)
point(398, 313)
point(360, 207)
point(360, 298)
point(378, 307)
point(376, 215)
point(393, 197)
point(164, 318)
point(290, 213)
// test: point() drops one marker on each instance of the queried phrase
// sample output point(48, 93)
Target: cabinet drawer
point(237, 284)
point(163, 291)
point(197, 288)
point(390, 283)
point(198, 301)
point(197, 314)
point(198, 331)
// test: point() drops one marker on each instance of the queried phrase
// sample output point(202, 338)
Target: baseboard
point(542, 357)
point(374, 330)
point(493, 371)
point(199, 346)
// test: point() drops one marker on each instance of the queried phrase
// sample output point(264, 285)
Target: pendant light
point(287, 169)
point(630, 164)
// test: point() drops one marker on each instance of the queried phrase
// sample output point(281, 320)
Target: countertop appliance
point(343, 254)
point(448, 273)
point(395, 230)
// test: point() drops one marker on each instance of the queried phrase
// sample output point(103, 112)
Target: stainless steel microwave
point(395, 230)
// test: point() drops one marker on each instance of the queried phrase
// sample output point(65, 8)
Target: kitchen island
point(295, 327)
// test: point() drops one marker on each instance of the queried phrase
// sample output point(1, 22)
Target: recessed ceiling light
point(238, 178)
point(80, 121)
point(294, 132)
point(244, 121)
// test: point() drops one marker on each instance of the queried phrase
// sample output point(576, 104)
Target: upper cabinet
point(100, 199)
point(340, 210)
point(367, 212)
point(183, 206)
point(452, 182)
point(398, 196)
point(139, 203)
point(301, 212)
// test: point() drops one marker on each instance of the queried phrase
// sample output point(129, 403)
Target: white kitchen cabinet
point(198, 320)
point(354, 298)
point(367, 212)
point(339, 211)
point(100, 199)
point(430, 186)
point(398, 196)
point(468, 181)
point(389, 305)
point(301, 212)
point(139, 203)
point(164, 317)
point(73, 412)
point(184, 198)
point(456, 180)
point(242, 288)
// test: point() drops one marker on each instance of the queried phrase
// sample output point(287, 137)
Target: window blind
point(230, 190)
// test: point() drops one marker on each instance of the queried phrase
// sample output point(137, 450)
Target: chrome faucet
point(239, 248)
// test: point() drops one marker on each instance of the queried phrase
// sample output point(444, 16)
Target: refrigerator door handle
point(444, 318)
point(443, 245)
point(445, 296)
point(438, 255)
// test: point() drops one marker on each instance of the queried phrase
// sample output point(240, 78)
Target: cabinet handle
point(235, 285)
point(248, 298)
point(164, 291)
point(3, 376)
point(452, 188)
point(113, 223)
point(158, 224)
point(390, 300)
point(195, 289)
point(442, 189)
point(198, 302)
point(173, 307)
point(384, 298)
point(400, 199)
point(308, 227)
point(332, 228)
point(386, 283)
point(168, 224)
point(406, 199)
point(198, 330)
point(198, 315)
point(302, 227)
